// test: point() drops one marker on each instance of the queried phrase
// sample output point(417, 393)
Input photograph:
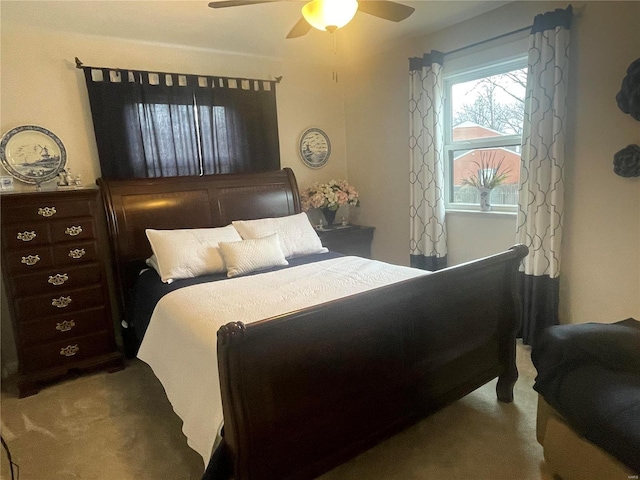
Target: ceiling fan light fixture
point(329, 15)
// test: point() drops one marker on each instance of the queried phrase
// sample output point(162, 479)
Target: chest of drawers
point(53, 267)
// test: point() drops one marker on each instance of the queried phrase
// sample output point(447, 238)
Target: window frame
point(450, 146)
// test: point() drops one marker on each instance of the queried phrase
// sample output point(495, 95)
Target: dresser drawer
point(66, 351)
point(63, 327)
point(29, 259)
point(53, 280)
point(72, 229)
point(75, 253)
point(46, 209)
point(25, 234)
point(66, 301)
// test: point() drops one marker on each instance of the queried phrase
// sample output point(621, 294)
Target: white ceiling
point(254, 29)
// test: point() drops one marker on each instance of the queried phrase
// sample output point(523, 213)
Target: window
point(161, 125)
point(484, 113)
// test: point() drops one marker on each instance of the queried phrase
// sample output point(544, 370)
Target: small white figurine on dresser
point(69, 178)
point(62, 178)
point(6, 184)
point(66, 181)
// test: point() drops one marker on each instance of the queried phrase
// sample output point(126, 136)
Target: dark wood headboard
point(207, 201)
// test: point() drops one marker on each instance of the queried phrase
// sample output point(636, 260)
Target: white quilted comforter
point(180, 342)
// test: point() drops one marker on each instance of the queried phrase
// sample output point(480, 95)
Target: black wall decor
point(628, 97)
point(626, 162)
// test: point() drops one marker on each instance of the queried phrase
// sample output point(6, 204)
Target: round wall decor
point(32, 154)
point(628, 97)
point(314, 148)
point(626, 162)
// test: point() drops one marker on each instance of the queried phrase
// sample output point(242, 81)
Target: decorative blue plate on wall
point(32, 154)
point(314, 148)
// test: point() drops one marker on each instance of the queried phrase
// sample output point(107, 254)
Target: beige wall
point(602, 254)
point(601, 247)
point(40, 85)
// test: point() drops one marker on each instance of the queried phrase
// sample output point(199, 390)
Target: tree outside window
point(485, 121)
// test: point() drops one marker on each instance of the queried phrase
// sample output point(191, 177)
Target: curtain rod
point(81, 66)
point(482, 42)
point(577, 12)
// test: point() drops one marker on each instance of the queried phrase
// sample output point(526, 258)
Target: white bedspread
point(180, 342)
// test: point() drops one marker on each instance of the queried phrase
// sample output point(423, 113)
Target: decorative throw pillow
point(190, 252)
point(295, 231)
point(251, 255)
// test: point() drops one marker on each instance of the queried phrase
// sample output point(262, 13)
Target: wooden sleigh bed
point(305, 391)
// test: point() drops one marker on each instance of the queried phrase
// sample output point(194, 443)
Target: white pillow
point(296, 233)
point(248, 256)
point(191, 252)
point(152, 262)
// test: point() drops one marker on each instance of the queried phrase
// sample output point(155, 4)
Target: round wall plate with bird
point(314, 148)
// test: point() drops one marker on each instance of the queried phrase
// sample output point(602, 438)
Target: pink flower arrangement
point(329, 195)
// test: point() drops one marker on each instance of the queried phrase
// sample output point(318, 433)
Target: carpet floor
point(120, 426)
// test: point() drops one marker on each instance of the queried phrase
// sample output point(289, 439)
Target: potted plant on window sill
point(488, 176)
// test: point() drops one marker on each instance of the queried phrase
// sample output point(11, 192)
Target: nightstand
point(349, 240)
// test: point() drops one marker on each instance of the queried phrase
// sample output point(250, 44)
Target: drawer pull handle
point(30, 260)
point(77, 253)
point(47, 211)
point(61, 302)
point(26, 236)
point(65, 326)
point(73, 231)
point(69, 350)
point(58, 278)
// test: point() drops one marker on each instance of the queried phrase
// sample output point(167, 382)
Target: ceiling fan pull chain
point(335, 53)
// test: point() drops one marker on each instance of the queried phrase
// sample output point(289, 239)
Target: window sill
point(457, 211)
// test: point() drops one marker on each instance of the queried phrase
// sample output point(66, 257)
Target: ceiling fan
point(330, 15)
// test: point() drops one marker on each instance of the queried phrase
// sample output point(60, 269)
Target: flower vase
point(329, 215)
point(485, 199)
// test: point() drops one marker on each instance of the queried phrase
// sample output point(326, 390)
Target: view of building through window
point(486, 121)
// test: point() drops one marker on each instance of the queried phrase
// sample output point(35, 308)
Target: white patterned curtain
point(426, 146)
point(541, 194)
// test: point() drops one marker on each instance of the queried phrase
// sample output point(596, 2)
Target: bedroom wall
point(40, 85)
point(601, 245)
point(603, 214)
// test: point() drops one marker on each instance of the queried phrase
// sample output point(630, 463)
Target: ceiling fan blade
point(393, 11)
point(238, 3)
point(299, 29)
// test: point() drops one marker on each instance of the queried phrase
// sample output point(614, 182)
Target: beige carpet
point(120, 426)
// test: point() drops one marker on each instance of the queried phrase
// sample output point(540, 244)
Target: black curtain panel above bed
point(165, 124)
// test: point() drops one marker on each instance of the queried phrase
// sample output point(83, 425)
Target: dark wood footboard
point(304, 392)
